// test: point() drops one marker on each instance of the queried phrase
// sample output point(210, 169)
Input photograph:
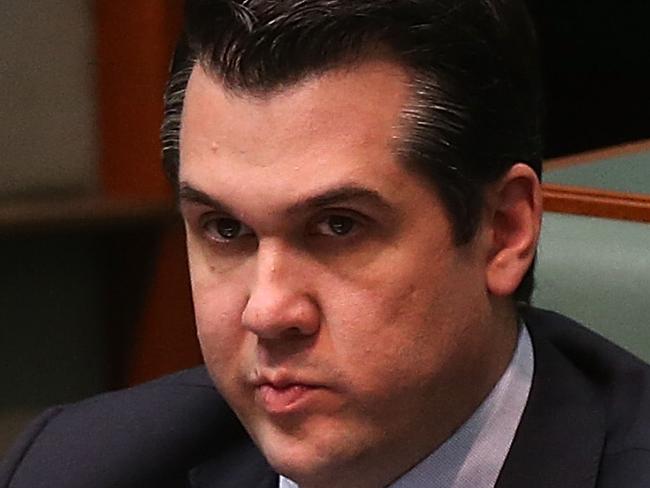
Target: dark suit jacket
point(586, 425)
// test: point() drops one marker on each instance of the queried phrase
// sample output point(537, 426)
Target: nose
point(280, 304)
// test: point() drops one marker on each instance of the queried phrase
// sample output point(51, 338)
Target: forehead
point(339, 127)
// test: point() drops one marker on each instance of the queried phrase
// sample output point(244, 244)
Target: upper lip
point(282, 380)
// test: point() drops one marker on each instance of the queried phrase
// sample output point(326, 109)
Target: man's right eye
point(223, 229)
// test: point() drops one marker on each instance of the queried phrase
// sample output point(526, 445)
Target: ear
point(515, 213)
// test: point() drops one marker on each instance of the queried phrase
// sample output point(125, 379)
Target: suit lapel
point(242, 466)
point(561, 436)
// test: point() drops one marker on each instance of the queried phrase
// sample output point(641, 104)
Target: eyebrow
point(338, 195)
point(189, 194)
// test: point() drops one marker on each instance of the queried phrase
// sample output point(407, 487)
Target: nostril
point(295, 331)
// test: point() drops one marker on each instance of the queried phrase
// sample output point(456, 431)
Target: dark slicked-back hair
point(475, 109)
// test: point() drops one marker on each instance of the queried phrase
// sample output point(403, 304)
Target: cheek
point(384, 332)
point(395, 328)
point(220, 335)
point(218, 305)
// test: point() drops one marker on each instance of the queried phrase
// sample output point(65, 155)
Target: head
point(474, 69)
point(359, 185)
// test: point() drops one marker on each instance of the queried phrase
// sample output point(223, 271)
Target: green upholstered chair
point(598, 271)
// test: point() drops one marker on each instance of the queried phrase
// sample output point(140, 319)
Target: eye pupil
point(228, 228)
point(340, 225)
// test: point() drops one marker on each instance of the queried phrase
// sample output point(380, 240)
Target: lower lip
point(284, 400)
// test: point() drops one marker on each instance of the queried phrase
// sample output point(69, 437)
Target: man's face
point(334, 311)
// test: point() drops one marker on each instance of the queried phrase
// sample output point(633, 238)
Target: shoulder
point(123, 438)
point(619, 381)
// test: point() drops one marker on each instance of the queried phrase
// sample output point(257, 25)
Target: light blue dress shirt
point(474, 455)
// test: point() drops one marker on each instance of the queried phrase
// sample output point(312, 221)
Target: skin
point(335, 314)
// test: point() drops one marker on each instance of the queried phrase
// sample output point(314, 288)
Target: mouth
point(284, 397)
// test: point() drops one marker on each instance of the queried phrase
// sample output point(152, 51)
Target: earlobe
point(515, 220)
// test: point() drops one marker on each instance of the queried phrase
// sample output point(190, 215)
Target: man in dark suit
point(359, 182)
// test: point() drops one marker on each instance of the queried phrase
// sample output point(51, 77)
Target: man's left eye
point(336, 225)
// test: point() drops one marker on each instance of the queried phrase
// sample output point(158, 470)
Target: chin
point(300, 462)
point(307, 457)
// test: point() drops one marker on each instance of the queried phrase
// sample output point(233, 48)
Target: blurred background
point(93, 288)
